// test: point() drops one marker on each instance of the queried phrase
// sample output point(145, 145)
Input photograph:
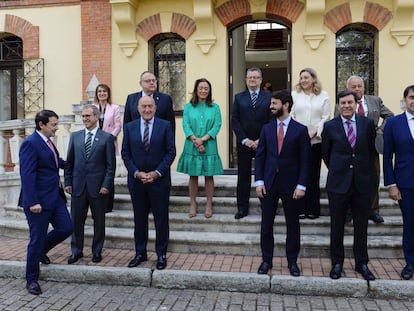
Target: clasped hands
point(252, 144)
point(198, 144)
point(146, 178)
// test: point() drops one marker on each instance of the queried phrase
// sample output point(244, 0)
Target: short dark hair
point(346, 93)
point(284, 96)
point(43, 116)
point(407, 90)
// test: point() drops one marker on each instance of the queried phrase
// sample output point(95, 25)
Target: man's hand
point(298, 194)
point(261, 191)
point(37, 208)
point(103, 191)
point(68, 189)
point(394, 193)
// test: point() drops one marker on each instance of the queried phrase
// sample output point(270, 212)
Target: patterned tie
point(280, 135)
point(145, 141)
point(361, 108)
point(254, 99)
point(351, 134)
point(88, 144)
point(50, 144)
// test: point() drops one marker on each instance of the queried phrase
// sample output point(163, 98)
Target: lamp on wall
point(90, 90)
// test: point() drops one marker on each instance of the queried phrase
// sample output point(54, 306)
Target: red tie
point(50, 144)
point(361, 108)
point(280, 135)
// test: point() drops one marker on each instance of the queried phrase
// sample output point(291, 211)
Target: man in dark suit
point(371, 107)
point(281, 171)
point(163, 102)
point(148, 150)
point(89, 176)
point(42, 196)
point(348, 147)
point(249, 113)
point(399, 172)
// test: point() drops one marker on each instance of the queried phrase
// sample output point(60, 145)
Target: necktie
point(351, 134)
point(50, 144)
point(361, 108)
point(254, 99)
point(88, 144)
point(145, 141)
point(280, 135)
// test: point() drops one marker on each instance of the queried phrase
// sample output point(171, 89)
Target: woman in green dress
point(201, 124)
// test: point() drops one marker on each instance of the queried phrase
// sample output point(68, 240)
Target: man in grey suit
point(89, 176)
point(373, 108)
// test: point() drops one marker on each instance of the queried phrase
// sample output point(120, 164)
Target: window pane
point(5, 96)
point(352, 64)
point(172, 81)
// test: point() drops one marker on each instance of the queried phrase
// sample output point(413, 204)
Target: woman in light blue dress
point(201, 124)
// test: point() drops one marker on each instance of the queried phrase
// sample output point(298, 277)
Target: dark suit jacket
point(162, 101)
point(94, 172)
point(376, 110)
point(293, 161)
point(247, 121)
point(347, 166)
point(39, 174)
point(398, 153)
point(160, 155)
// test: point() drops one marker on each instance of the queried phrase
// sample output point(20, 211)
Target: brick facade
point(376, 15)
point(27, 32)
point(96, 42)
point(150, 27)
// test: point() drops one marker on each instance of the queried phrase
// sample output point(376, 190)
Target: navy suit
point(281, 174)
point(86, 176)
point(152, 196)
point(399, 169)
point(162, 101)
point(349, 183)
point(247, 122)
point(40, 184)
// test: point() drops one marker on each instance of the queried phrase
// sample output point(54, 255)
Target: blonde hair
point(317, 85)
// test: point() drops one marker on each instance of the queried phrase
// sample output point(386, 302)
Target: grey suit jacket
point(92, 173)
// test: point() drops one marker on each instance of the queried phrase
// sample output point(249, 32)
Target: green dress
point(199, 121)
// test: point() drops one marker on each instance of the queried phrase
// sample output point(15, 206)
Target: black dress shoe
point(161, 262)
point(137, 260)
point(96, 258)
point(365, 272)
point(240, 214)
point(34, 288)
point(377, 218)
point(264, 267)
point(45, 260)
point(312, 217)
point(407, 272)
point(74, 258)
point(302, 216)
point(336, 271)
point(294, 269)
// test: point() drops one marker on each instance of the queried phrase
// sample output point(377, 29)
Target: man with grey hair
point(371, 107)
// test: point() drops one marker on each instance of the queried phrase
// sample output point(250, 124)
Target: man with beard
point(281, 171)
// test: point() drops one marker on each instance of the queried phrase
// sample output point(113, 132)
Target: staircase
point(222, 234)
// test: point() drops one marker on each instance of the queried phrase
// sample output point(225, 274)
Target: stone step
point(226, 223)
point(246, 244)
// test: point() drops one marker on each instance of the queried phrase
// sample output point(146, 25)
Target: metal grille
point(170, 68)
point(356, 55)
point(11, 49)
point(33, 85)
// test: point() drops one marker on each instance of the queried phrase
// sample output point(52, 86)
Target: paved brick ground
point(388, 269)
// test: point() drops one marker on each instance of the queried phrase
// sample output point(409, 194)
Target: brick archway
point(27, 32)
point(180, 24)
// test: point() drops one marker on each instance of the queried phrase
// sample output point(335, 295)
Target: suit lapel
point(46, 149)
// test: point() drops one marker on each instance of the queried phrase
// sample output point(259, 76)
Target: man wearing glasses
point(163, 101)
point(249, 113)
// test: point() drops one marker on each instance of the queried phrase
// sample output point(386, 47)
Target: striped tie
point(145, 141)
point(88, 144)
point(351, 134)
point(254, 99)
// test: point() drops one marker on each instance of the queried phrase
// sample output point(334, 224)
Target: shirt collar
point(409, 115)
point(352, 119)
point(43, 136)
point(93, 131)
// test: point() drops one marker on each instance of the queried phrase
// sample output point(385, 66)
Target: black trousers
point(244, 178)
point(312, 204)
point(360, 208)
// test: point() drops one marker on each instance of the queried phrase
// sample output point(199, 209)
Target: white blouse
point(312, 111)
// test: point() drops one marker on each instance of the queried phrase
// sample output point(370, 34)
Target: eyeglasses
point(150, 80)
point(253, 78)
